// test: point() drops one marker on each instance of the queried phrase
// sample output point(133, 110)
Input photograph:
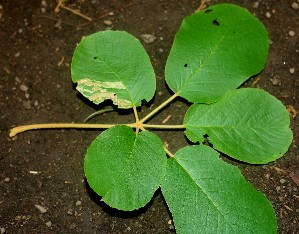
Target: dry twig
point(201, 6)
point(60, 5)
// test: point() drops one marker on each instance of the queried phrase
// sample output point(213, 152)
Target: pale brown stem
point(159, 108)
point(19, 129)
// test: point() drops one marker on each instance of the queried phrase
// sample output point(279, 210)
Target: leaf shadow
point(113, 212)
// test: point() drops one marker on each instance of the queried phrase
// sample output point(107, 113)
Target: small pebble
point(23, 87)
point(292, 33)
point(20, 30)
point(295, 5)
point(2, 230)
point(268, 14)
point(58, 24)
point(72, 226)
point(27, 105)
point(292, 70)
point(7, 179)
point(43, 10)
point(275, 81)
point(35, 103)
point(171, 227)
point(282, 181)
point(17, 54)
point(78, 203)
point(49, 224)
point(41, 208)
point(44, 3)
point(18, 80)
point(278, 188)
point(108, 22)
point(27, 95)
point(256, 5)
point(148, 38)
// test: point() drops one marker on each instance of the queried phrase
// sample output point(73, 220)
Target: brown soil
point(46, 167)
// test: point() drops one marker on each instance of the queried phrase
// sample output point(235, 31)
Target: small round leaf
point(124, 168)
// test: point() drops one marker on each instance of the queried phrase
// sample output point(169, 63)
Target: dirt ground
point(42, 184)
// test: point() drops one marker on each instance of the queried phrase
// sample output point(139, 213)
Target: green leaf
point(113, 65)
point(207, 195)
point(124, 168)
point(247, 124)
point(215, 51)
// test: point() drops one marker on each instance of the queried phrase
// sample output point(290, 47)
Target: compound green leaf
point(113, 65)
point(124, 168)
point(207, 195)
point(247, 124)
point(215, 51)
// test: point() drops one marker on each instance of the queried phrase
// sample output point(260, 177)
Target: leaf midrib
point(203, 190)
point(120, 79)
point(203, 64)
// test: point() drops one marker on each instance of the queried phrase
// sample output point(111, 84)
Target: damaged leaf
point(113, 65)
point(215, 51)
point(98, 92)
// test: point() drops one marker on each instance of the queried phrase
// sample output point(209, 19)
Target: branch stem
point(24, 128)
point(169, 153)
point(156, 126)
point(19, 129)
point(138, 123)
point(159, 108)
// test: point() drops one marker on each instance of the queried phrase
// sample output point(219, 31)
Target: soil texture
point(42, 183)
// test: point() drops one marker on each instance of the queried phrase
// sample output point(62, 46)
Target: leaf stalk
point(161, 106)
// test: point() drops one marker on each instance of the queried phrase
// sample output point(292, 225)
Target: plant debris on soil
point(42, 183)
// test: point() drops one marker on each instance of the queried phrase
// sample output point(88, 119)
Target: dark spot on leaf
point(186, 65)
point(95, 57)
point(216, 22)
point(208, 11)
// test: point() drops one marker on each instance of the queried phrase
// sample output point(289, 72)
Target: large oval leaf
point(247, 124)
point(207, 195)
point(215, 51)
point(125, 168)
point(113, 65)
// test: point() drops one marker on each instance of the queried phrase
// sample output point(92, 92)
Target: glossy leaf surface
point(215, 51)
point(125, 168)
point(113, 65)
point(207, 195)
point(247, 124)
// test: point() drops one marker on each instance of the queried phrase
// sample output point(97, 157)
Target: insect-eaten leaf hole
point(186, 65)
point(216, 22)
point(95, 57)
point(208, 11)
